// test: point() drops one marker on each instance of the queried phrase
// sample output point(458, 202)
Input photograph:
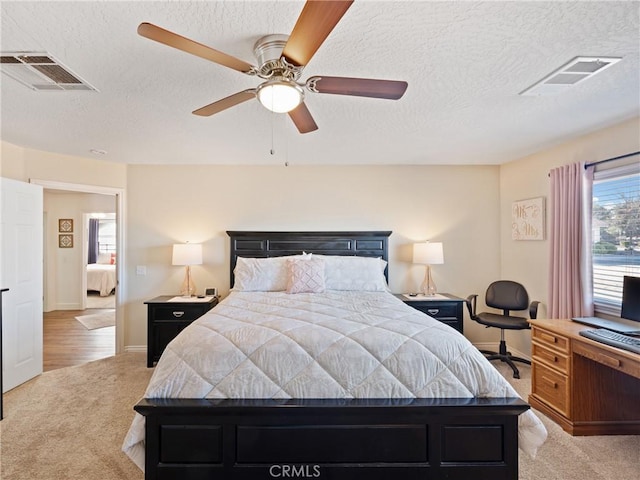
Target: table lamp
point(187, 254)
point(427, 254)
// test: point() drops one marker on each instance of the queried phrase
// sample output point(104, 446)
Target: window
point(106, 236)
point(615, 224)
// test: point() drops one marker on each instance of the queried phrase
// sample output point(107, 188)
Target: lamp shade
point(187, 254)
point(428, 253)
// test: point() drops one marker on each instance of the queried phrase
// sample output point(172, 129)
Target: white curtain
point(570, 290)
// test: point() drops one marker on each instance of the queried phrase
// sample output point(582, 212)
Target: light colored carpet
point(563, 457)
point(69, 424)
point(98, 320)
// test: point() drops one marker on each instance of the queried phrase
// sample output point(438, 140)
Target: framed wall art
point(65, 225)
point(527, 219)
point(65, 241)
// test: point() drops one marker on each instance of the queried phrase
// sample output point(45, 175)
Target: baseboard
point(135, 348)
point(494, 347)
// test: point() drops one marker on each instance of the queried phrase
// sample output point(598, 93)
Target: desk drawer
point(551, 358)
point(551, 340)
point(608, 358)
point(551, 387)
point(177, 312)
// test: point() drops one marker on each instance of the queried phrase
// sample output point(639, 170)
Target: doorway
point(65, 305)
point(100, 249)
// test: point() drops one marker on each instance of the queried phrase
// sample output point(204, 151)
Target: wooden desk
point(588, 388)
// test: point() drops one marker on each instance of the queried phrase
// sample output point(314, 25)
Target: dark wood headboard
point(278, 244)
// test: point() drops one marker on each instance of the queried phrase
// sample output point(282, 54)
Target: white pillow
point(305, 275)
point(104, 258)
point(261, 274)
point(354, 273)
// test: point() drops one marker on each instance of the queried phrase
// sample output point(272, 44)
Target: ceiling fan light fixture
point(280, 96)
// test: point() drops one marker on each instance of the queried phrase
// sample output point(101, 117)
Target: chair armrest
point(533, 310)
point(471, 304)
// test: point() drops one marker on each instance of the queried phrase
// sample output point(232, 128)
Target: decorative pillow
point(354, 273)
point(104, 258)
point(112, 259)
point(262, 274)
point(306, 275)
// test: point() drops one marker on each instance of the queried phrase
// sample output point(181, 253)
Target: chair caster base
point(508, 359)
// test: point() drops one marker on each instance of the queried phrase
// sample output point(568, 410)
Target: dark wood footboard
point(363, 439)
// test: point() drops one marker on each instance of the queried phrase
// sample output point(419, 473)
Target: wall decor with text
point(527, 219)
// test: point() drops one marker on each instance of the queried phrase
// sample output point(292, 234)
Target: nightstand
point(444, 307)
point(166, 319)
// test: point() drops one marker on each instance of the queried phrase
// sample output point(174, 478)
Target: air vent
point(577, 70)
point(40, 71)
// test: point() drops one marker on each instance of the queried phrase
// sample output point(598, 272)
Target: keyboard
point(614, 339)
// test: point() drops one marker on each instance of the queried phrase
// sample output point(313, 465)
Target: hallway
point(67, 342)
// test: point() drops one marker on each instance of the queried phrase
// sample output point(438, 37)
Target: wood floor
point(67, 342)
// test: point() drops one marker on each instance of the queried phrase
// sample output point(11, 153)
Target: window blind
point(615, 233)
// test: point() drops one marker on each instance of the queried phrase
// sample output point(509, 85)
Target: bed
point(101, 278)
point(314, 392)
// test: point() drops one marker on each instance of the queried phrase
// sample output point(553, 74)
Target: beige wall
point(64, 267)
point(24, 164)
point(11, 161)
point(527, 261)
point(170, 204)
point(467, 208)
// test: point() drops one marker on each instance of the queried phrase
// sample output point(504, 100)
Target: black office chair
point(506, 296)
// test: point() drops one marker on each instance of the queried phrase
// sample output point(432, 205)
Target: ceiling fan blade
point(302, 118)
point(174, 40)
point(314, 25)
point(360, 87)
point(228, 102)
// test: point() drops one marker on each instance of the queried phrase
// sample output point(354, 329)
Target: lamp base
point(188, 288)
point(428, 287)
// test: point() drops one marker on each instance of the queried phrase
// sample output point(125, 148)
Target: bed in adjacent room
point(312, 366)
point(101, 276)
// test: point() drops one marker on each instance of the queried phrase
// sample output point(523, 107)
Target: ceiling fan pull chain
point(272, 151)
point(286, 147)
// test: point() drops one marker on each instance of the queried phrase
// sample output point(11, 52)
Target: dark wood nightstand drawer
point(181, 312)
point(437, 309)
point(448, 310)
point(166, 319)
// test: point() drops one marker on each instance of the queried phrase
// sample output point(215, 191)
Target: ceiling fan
point(281, 60)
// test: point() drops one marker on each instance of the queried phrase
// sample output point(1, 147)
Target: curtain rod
point(587, 165)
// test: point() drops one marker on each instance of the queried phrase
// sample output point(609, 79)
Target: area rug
point(98, 320)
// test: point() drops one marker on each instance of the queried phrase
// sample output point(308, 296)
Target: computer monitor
point(631, 298)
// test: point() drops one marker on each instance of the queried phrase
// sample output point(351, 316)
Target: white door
point(21, 272)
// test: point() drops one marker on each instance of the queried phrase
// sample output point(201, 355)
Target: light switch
point(141, 270)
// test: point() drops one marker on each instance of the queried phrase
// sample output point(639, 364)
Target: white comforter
point(101, 278)
point(330, 345)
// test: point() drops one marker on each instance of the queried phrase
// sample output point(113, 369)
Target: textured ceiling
point(465, 63)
